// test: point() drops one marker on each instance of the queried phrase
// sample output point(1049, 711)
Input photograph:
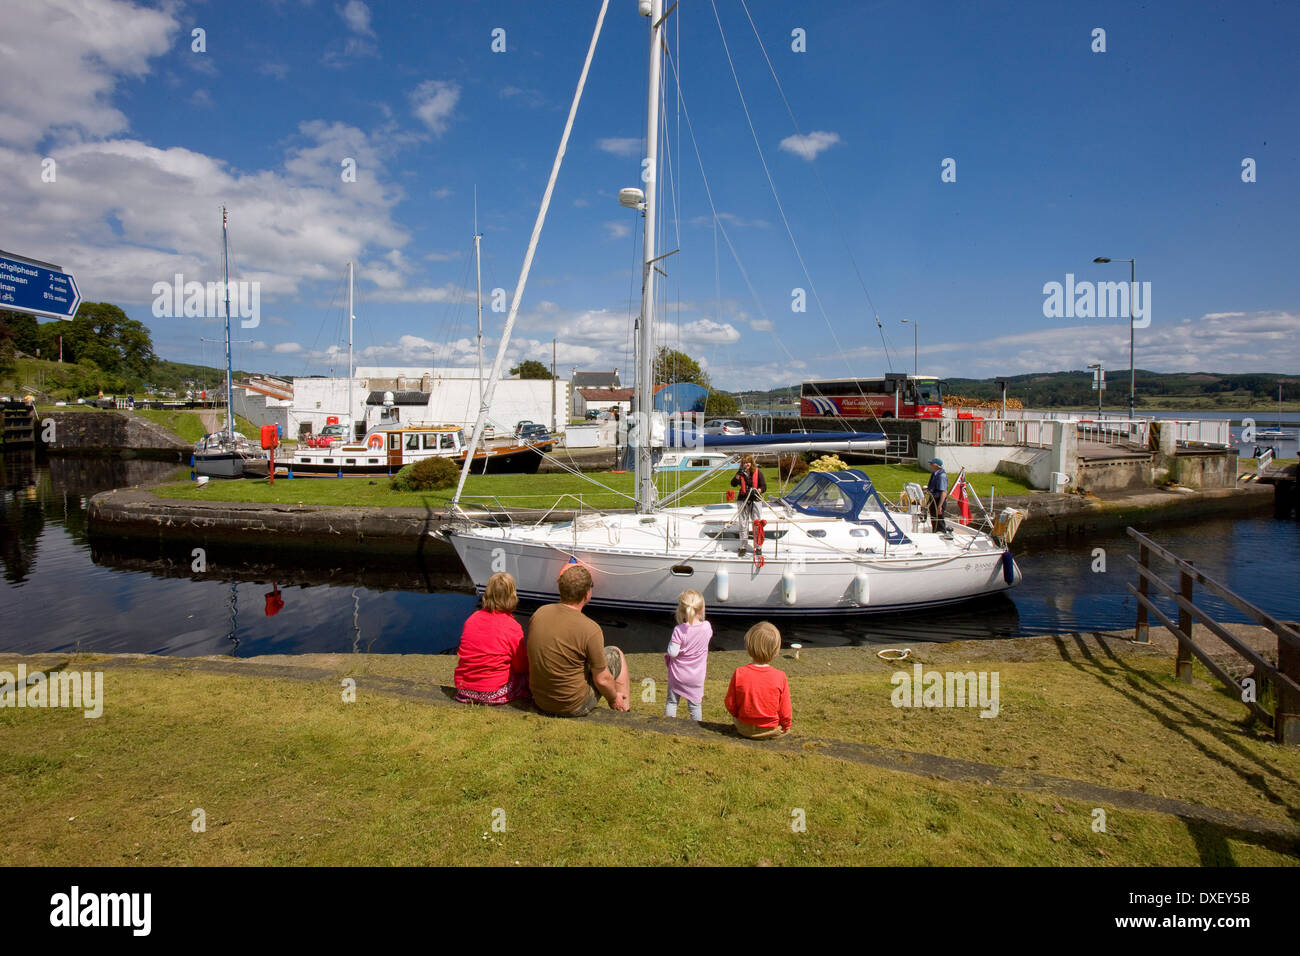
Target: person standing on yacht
point(752, 487)
point(936, 492)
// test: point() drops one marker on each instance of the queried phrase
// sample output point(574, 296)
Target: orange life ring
point(376, 442)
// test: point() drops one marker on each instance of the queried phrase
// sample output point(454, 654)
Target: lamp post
point(916, 326)
point(1132, 285)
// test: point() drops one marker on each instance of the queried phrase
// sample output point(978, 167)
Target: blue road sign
point(30, 286)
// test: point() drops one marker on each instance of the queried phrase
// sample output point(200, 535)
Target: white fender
point(788, 593)
point(863, 587)
point(722, 584)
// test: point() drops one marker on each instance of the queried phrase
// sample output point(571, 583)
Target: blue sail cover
point(842, 494)
point(680, 398)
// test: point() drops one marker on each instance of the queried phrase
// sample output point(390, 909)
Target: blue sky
point(1061, 154)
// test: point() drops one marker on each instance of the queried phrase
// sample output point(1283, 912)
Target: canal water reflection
point(63, 591)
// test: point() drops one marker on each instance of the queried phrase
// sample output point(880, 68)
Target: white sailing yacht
point(830, 546)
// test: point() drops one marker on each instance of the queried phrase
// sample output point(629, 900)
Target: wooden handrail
point(1285, 675)
point(1289, 634)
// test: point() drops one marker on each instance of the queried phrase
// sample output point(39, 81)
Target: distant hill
point(1154, 390)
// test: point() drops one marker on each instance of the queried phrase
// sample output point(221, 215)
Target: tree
point(21, 329)
point(673, 366)
point(102, 333)
point(721, 405)
point(531, 368)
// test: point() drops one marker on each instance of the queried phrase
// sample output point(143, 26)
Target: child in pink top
point(688, 656)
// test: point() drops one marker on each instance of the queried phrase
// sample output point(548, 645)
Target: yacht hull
point(785, 585)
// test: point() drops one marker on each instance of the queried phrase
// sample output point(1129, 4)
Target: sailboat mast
point(478, 270)
point(644, 470)
point(230, 388)
point(352, 428)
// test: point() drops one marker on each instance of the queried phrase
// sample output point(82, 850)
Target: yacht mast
point(644, 470)
point(352, 427)
point(478, 269)
point(230, 388)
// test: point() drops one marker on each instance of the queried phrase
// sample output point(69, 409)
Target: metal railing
point(1284, 677)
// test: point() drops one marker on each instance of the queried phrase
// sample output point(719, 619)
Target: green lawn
point(526, 491)
point(185, 424)
point(302, 778)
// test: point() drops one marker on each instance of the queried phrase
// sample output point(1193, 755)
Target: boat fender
point(788, 593)
point(863, 583)
point(1008, 567)
point(722, 584)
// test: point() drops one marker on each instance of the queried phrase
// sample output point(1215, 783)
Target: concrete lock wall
point(103, 430)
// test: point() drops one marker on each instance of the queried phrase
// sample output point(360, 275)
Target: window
point(412, 442)
point(395, 442)
point(447, 440)
point(431, 440)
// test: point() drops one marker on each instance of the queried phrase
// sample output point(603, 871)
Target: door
point(394, 451)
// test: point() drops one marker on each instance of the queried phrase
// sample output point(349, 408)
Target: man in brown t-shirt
point(569, 666)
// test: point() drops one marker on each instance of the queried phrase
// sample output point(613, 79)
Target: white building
point(440, 396)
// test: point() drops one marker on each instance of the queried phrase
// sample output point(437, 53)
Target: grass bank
point(287, 773)
point(184, 424)
point(527, 491)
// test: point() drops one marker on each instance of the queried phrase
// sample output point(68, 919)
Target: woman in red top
point(759, 694)
point(493, 665)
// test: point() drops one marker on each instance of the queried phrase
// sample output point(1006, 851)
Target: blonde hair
point(690, 607)
point(499, 595)
point(749, 460)
point(762, 641)
point(574, 583)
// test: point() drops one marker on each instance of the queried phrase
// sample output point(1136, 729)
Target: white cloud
point(809, 145)
point(618, 229)
point(287, 348)
point(442, 192)
point(357, 16)
point(620, 145)
point(708, 332)
point(433, 101)
point(98, 41)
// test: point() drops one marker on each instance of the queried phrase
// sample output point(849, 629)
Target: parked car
point(724, 426)
point(534, 434)
point(519, 427)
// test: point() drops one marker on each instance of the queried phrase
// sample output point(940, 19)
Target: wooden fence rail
point(1284, 676)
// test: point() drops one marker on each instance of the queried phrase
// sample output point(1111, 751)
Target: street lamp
point(916, 326)
point(1132, 285)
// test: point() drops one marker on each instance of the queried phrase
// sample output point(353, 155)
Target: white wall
point(452, 401)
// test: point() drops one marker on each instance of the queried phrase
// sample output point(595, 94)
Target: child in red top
point(759, 695)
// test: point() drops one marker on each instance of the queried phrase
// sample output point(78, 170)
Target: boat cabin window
point(431, 440)
point(412, 442)
point(395, 442)
point(447, 440)
point(820, 497)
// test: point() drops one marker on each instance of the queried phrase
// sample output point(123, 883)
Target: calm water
point(61, 590)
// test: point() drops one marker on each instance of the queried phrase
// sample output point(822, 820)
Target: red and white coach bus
point(896, 396)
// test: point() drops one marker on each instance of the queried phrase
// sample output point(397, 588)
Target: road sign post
point(41, 288)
